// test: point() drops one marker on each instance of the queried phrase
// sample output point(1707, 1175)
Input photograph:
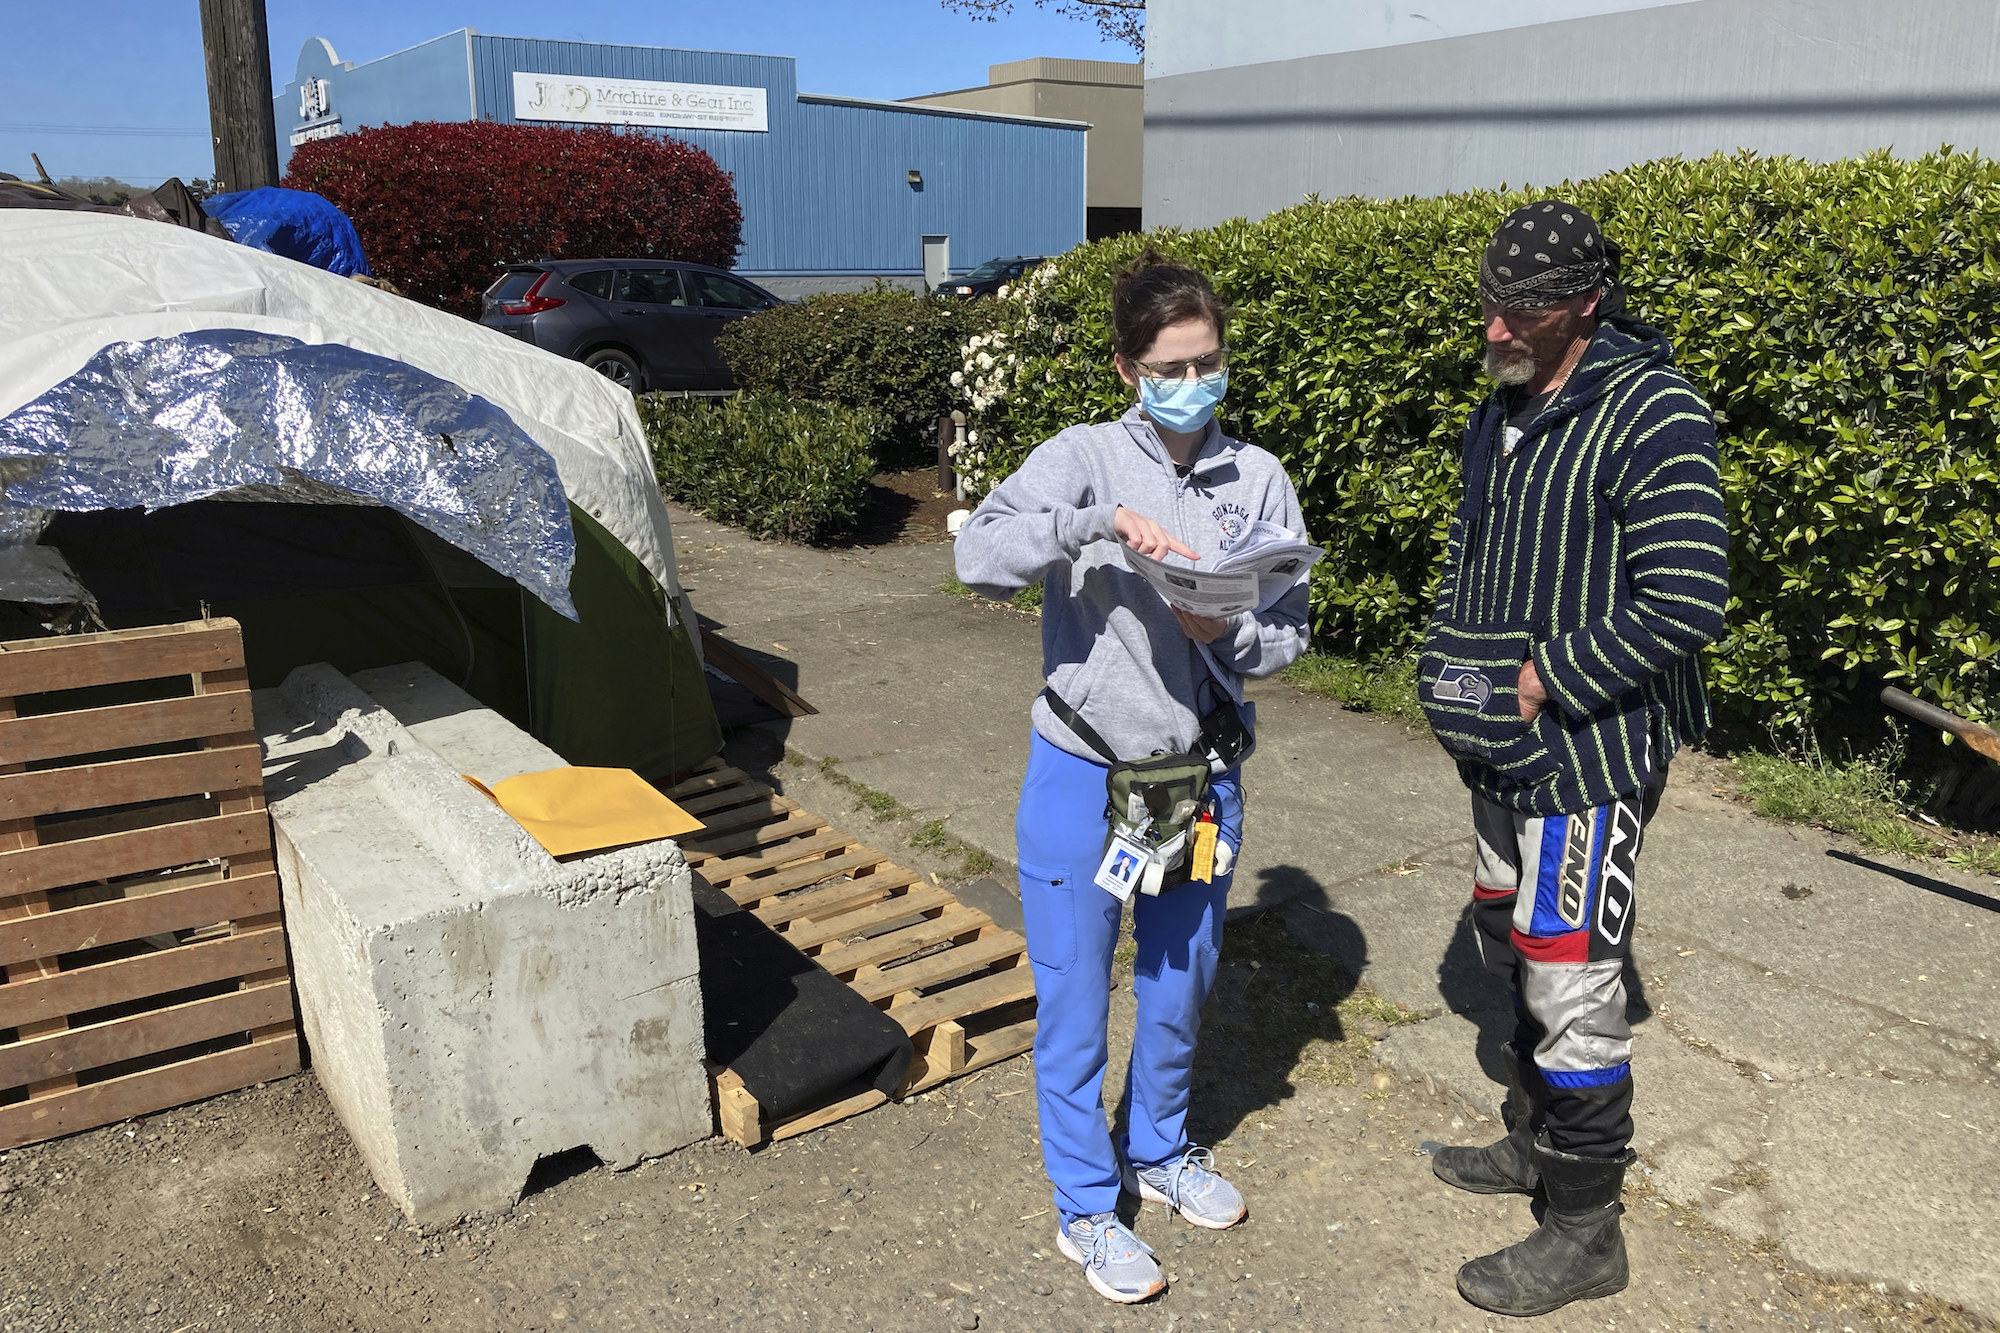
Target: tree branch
point(1122, 21)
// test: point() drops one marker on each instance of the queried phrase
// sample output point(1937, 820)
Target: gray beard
point(1510, 370)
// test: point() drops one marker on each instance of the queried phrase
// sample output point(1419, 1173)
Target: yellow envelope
point(571, 810)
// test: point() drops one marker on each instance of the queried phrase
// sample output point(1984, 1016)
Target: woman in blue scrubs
point(1134, 676)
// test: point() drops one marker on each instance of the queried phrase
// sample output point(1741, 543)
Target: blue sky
point(133, 67)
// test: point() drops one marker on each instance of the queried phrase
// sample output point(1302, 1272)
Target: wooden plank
point(748, 892)
point(107, 856)
point(76, 1050)
point(834, 899)
point(940, 1054)
point(791, 826)
point(36, 666)
point(722, 873)
point(712, 780)
point(922, 899)
point(948, 965)
point(134, 918)
point(741, 1119)
point(26, 740)
point(735, 794)
point(981, 1051)
point(151, 1090)
point(123, 781)
point(740, 667)
point(1016, 983)
point(956, 923)
point(809, 1121)
point(38, 999)
point(761, 811)
point(184, 810)
point(15, 835)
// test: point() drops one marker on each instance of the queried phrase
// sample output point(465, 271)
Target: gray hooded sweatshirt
point(1111, 646)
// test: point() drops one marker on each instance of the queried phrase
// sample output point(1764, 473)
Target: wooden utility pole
point(237, 45)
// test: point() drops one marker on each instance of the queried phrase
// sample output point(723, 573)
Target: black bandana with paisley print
point(1546, 252)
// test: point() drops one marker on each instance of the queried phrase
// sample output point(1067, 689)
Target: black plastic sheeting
point(792, 1031)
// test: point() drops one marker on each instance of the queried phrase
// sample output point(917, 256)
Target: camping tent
point(357, 583)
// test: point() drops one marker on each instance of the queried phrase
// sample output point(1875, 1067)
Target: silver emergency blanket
point(164, 421)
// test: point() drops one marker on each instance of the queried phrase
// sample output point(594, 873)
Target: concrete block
point(471, 1004)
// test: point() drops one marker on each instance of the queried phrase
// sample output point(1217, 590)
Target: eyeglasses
point(1208, 364)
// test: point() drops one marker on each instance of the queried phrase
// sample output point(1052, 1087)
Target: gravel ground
point(253, 1211)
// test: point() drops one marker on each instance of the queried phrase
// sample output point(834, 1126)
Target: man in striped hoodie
point(1587, 565)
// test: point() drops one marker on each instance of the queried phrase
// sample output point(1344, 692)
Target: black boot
point(1506, 1167)
point(1577, 1254)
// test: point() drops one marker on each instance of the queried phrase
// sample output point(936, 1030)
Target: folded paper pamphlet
point(1264, 565)
point(572, 810)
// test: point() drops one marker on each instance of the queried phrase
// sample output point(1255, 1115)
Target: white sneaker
point(1118, 1265)
point(1189, 1186)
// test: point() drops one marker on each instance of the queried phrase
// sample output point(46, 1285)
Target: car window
point(513, 284)
point(1016, 270)
point(651, 286)
point(989, 269)
point(595, 283)
point(716, 291)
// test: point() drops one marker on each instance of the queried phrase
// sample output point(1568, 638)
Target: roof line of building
point(579, 41)
point(918, 108)
point(1013, 83)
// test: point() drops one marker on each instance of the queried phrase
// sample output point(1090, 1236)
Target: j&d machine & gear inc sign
point(695, 106)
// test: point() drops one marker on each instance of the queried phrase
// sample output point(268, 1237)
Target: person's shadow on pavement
point(1274, 1017)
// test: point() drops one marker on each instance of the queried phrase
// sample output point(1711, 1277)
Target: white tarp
point(72, 284)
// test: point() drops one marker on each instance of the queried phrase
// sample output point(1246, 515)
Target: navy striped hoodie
point(1599, 548)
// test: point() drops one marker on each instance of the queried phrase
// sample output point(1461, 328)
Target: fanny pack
point(1161, 823)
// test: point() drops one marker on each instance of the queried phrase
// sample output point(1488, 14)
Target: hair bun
point(1157, 290)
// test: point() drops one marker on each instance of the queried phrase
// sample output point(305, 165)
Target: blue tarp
point(294, 223)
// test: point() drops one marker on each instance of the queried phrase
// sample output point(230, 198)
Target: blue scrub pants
point(1072, 931)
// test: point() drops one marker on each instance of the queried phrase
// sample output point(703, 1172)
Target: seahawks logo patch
point(1462, 685)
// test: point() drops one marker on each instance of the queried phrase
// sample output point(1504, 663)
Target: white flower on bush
point(986, 360)
point(972, 437)
point(957, 379)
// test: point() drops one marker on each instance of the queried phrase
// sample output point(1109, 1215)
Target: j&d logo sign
point(638, 102)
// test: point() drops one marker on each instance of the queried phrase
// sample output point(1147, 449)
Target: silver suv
point(641, 323)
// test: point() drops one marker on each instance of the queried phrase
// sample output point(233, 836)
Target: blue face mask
point(1183, 405)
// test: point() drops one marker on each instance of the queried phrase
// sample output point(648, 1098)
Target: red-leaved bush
point(442, 206)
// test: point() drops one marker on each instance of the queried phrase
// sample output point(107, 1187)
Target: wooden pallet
point(142, 959)
point(959, 984)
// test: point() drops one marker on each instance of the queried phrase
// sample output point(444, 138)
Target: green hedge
point(1843, 320)
point(764, 462)
point(887, 350)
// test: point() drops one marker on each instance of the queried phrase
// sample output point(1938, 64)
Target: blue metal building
point(833, 190)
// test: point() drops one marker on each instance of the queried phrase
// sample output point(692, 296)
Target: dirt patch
point(904, 509)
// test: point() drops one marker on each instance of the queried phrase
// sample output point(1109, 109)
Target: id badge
point(1123, 867)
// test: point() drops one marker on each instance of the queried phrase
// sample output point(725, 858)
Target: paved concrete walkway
point(1818, 1025)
